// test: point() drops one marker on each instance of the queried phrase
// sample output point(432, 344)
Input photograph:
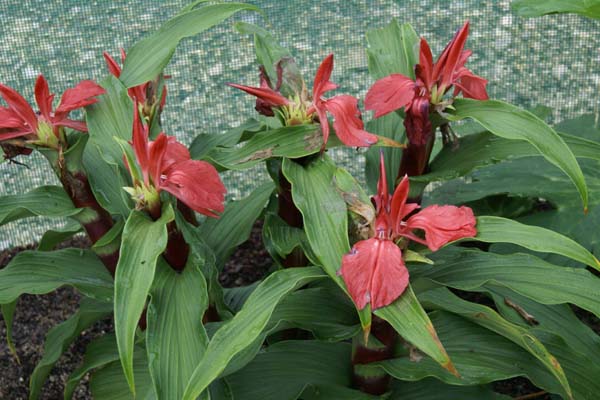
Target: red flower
point(374, 270)
point(428, 89)
point(19, 119)
point(165, 164)
point(347, 123)
point(144, 94)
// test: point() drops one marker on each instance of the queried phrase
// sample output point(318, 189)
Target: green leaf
point(8, 313)
point(443, 299)
point(483, 148)
point(432, 389)
point(285, 369)
point(552, 318)
point(110, 117)
point(324, 214)
point(393, 49)
point(407, 317)
point(98, 353)
point(327, 392)
point(47, 201)
point(148, 57)
point(205, 142)
point(234, 226)
point(526, 177)
point(289, 141)
point(268, 50)
point(324, 311)
point(109, 383)
point(503, 230)
point(391, 126)
point(280, 239)
point(175, 337)
point(34, 272)
point(52, 237)
point(510, 122)
point(60, 337)
point(481, 357)
point(247, 325)
point(142, 242)
point(536, 8)
point(525, 274)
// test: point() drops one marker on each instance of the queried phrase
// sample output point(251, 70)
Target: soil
point(35, 315)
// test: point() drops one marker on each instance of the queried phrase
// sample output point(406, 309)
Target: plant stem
point(288, 211)
point(380, 346)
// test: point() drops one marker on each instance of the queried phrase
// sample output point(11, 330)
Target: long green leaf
point(483, 148)
point(536, 8)
point(8, 314)
point(445, 300)
point(481, 357)
point(233, 227)
point(110, 117)
point(52, 237)
point(289, 141)
point(205, 142)
point(391, 126)
point(503, 230)
point(34, 272)
point(60, 337)
point(510, 122)
point(142, 242)
point(147, 58)
point(109, 383)
point(525, 274)
point(175, 337)
point(553, 318)
point(392, 49)
point(98, 353)
point(325, 215)
point(410, 320)
point(246, 326)
point(286, 368)
point(47, 201)
point(432, 389)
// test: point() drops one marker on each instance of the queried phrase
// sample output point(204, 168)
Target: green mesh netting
point(551, 60)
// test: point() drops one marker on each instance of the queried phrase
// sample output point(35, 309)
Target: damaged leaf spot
point(258, 155)
point(313, 140)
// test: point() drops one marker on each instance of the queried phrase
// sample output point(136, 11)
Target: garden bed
point(37, 314)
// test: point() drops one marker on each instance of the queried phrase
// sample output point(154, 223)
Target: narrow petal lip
point(266, 94)
point(321, 83)
point(83, 94)
point(448, 61)
point(389, 94)
point(347, 123)
point(43, 97)
point(20, 106)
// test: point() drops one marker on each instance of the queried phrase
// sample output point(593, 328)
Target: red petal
point(43, 97)
point(69, 123)
point(390, 93)
point(10, 119)
point(175, 153)
point(80, 96)
point(324, 124)
point(443, 224)
point(424, 70)
point(19, 106)
point(321, 83)
point(268, 95)
point(347, 122)
point(400, 208)
point(374, 272)
point(113, 66)
point(382, 197)
point(448, 62)
point(198, 185)
point(471, 85)
point(140, 143)
point(156, 153)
